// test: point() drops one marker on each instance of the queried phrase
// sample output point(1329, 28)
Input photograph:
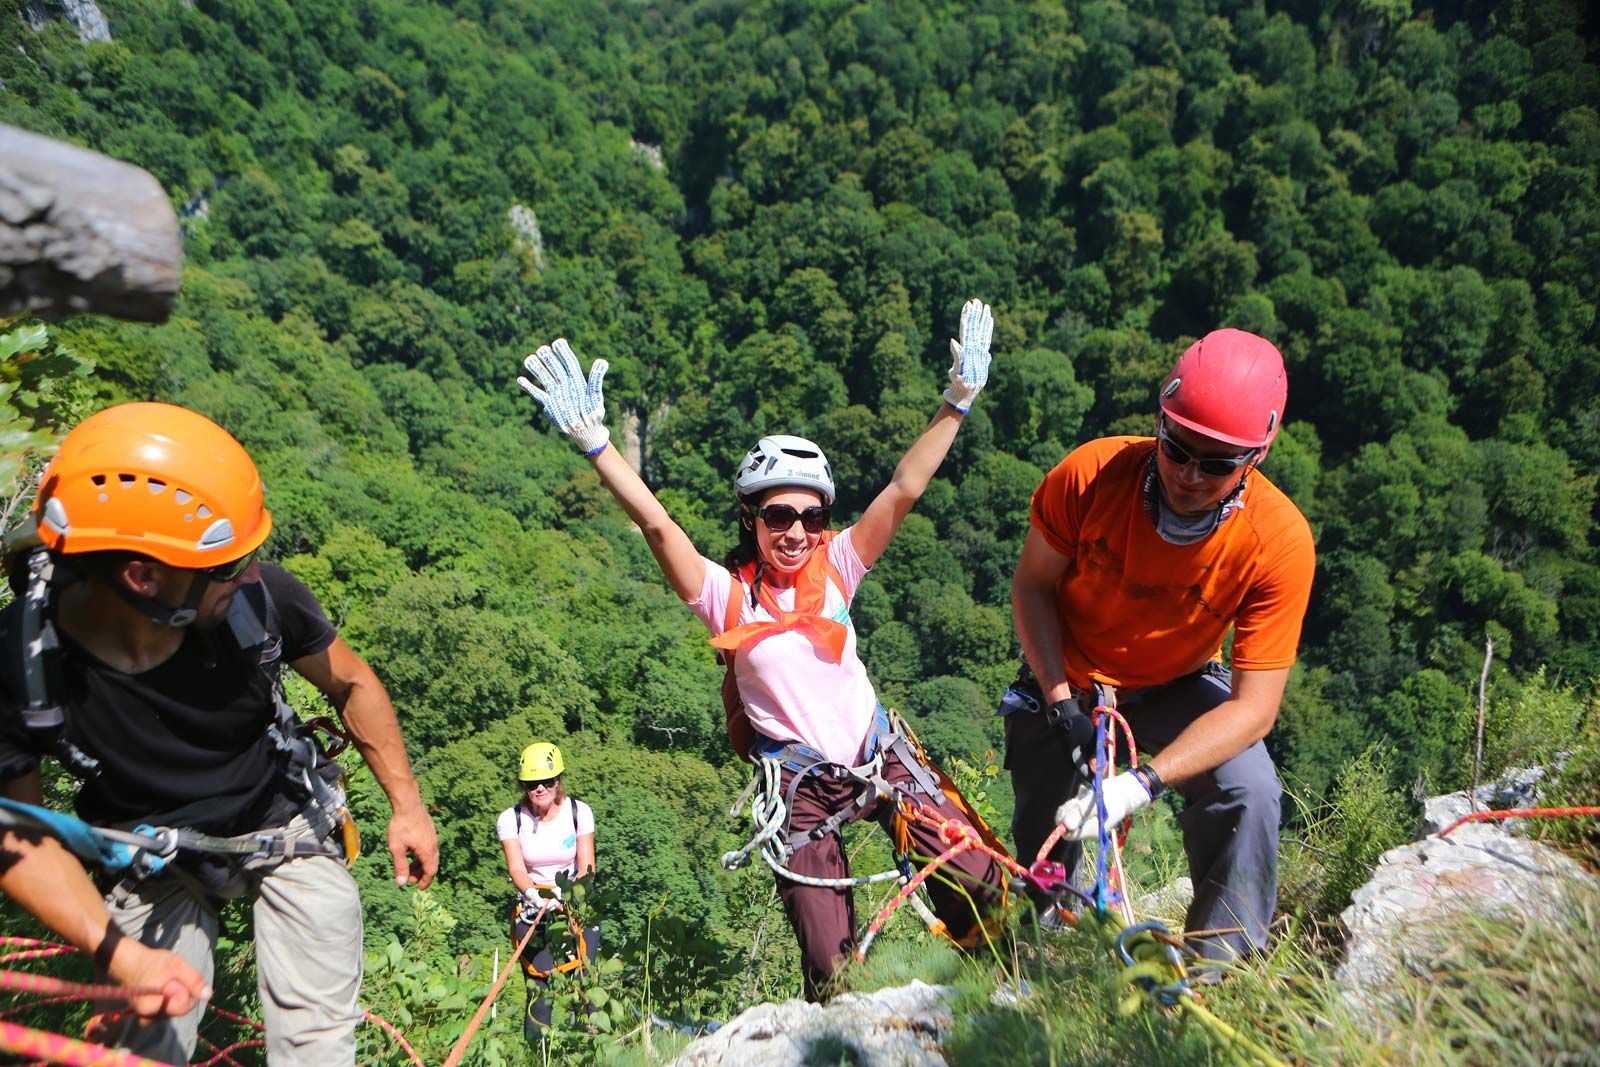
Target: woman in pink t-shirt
point(545, 833)
point(780, 604)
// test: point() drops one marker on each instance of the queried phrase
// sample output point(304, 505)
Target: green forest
point(766, 216)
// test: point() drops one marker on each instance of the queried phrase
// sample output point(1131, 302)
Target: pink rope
point(53, 1048)
point(41, 1003)
point(1117, 720)
point(21, 982)
point(37, 954)
point(32, 942)
point(961, 837)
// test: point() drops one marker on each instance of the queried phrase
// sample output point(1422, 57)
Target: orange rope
point(1520, 813)
point(483, 1009)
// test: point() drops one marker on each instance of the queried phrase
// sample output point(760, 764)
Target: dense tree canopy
point(766, 216)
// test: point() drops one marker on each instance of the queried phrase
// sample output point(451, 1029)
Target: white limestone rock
point(900, 1027)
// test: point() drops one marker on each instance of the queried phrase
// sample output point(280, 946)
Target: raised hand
point(969, 367)
point(573, 404)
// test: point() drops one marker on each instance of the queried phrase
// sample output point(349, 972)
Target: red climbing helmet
point(1230, 386)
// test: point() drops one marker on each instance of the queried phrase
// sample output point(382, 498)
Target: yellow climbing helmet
point(540, 761)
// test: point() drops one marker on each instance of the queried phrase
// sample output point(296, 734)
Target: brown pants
point(824, 920)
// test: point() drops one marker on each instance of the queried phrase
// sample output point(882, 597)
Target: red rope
point(240, 1019)
point(1520, 813)
point(398, 1036)
point(222, 1054)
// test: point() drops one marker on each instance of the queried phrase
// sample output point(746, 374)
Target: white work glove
point(969, 367)
point(1125, 794)
point(575, 406)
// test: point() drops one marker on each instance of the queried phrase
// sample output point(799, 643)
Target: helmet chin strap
point(177, 618)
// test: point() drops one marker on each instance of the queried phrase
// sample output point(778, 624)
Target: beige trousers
point(308, 955)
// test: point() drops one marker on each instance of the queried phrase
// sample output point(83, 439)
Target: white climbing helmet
point(784, 460)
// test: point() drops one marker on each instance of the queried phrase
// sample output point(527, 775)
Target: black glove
point(1077, 731)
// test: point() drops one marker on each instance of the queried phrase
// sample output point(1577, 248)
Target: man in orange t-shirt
point(1143, 554)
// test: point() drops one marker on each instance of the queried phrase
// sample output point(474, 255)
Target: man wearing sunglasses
point(1144, 553)
point(143, 653)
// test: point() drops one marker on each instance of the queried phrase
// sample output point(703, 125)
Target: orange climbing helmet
point(155, 479)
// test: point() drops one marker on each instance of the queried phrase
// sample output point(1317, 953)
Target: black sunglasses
point(779, 517)
point(1215, 466)
point(227, 572)
point(547, 783)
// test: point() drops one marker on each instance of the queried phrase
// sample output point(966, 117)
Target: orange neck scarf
point(810, 598)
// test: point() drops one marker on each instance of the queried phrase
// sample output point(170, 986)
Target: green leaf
point(22, 339)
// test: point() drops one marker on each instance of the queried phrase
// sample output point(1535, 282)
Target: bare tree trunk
point(1477, 750)
point(80, 232)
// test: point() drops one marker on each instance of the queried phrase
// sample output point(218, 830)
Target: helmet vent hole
point(154, 486)
point(99, 480)
point(203, 511)
point(182, 497)
point(1172, 387)
point(127, 480)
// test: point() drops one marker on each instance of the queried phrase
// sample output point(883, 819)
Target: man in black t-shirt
point(163, 691)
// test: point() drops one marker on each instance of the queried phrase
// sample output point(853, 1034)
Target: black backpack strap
point(34, 642)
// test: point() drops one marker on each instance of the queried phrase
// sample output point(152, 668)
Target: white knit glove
point(969, 367)
point(1125, 794)
point(575, 406)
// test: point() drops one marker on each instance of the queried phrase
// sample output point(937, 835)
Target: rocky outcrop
point(650, 153)
point(1515, 789)
point(1401, 917)
point(901, 1027)
point(85, 14)
point(525, 227)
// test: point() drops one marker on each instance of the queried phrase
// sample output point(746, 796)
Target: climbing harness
point(770, 805)
point(534, 915)
point(148, 849)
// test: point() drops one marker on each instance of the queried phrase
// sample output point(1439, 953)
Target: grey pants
point(1229, 819)
point(308, 956)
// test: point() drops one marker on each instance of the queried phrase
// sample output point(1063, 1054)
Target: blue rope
point(83, 840)
point(1101, 873)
